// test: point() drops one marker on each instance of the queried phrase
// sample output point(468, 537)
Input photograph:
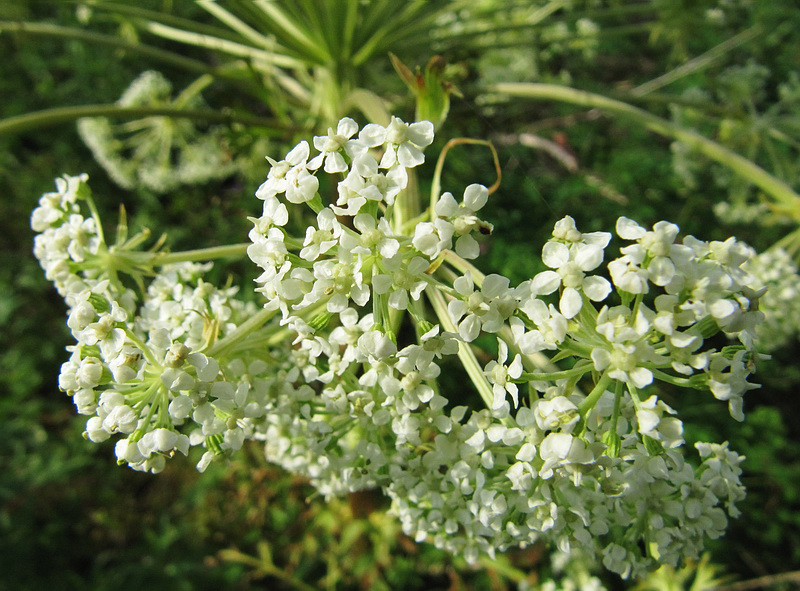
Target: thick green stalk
point(772, 186)
point(59, 115)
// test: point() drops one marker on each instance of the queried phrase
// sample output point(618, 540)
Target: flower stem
point(465, 354)
point(772, 186)
point(59, 115)
point(463, 265)
point(552, 376)
point(598, 391)
point(201, 254)
point(248, 326)
point(437, 173)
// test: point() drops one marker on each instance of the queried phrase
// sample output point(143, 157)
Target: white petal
point(390, 247)
point(641, 377)
point(722, 308)
point(373, 135)
point(469, 328)
point(661, 270)
point(399, 299)
point(476, 196)
point(334, 162)
point(570, 303)
point(629, 230)
point(681, 340)
point(555, 254)
point(347, 127)
point(495, 285)
point(545, 283)
point(408, 156)
point(596, 288)
point(317, 160)
point(464, 284)
point(420, 133)
point(648, 420)
point(467, 247)
point(365, 165)
point(446, 206)
point(298, 154)
point(556, 445)
point(588, 257)
point(382, 283)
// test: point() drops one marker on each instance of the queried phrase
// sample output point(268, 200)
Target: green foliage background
point(69, 519)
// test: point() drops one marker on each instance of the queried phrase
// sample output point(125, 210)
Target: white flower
point(89, 372)
point(53, 206)
point(402, 142)
point(486, 309)
point(557, 413)
point(550, 331)
point(376, 345)
point(274, 213)
point(330, 145)
point(431, 238)
point(500, 375)
point(559, 449)
point(401, 278)
point(570, 264)
point(290, 176)
point(375, 238)
point(464, 219)
point(623, 360)
point(163, 440)
point(323, 238)
point(652, 422)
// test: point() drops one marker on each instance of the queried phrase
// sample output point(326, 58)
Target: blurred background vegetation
point(729, 69)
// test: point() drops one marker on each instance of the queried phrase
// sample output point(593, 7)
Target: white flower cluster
point(157, 152)
point(342, 386)
point(777, 272)
point(601, 471)
point(141, 369)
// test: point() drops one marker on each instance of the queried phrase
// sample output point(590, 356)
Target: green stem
point(110, 40)
point(148, 354)
point(253, 323)
point(59, 115)
point(465, 354)
point(617, 406)
point(152, 399)
point(503, 567)
point(462, 265)
point(222, 45)
point(437, 173)
point(599, 389)
point(772, 186)
point(556, 375)
point(201, 254)
point(699, 62)
point(676, 381)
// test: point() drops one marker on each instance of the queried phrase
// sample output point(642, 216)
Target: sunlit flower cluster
point(338, 373)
